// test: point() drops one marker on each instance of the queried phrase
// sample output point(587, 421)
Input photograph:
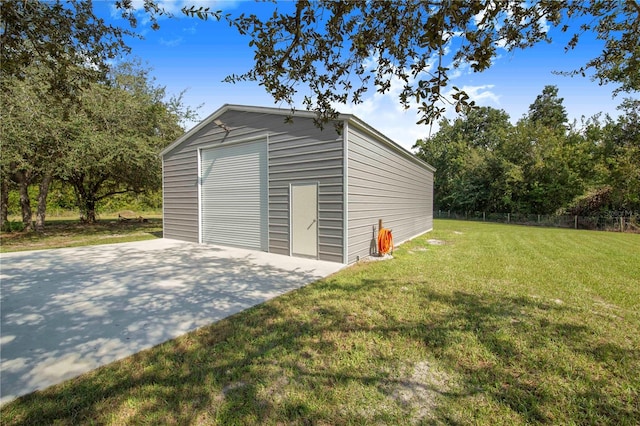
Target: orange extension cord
point(385, 241)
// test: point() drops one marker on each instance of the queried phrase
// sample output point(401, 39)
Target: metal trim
point(199, 195)
point(235, 142)
point(345, 192)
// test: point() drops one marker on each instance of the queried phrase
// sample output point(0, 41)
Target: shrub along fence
point(611, 221)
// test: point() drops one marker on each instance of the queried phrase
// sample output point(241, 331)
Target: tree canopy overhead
point(335, 51)
point(339, 50)
point(66, 38)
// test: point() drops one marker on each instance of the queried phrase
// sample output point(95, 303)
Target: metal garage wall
point(385, 182)
point(305, 154)
point(233, 195)
point(180, 195)
point(298, 152)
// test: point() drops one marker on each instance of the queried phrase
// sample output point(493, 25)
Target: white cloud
point(386, 115)
point(481, 94)
point(384, 112)
point(173, 8)
point(171, 42)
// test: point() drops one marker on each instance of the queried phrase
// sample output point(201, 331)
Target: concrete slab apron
point(65, 312)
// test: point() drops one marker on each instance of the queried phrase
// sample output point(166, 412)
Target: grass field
point(499, 325)
point(70, 232)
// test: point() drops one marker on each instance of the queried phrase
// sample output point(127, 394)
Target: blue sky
point(196, 55)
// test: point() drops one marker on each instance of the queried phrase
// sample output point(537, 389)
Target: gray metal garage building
point(246, 177)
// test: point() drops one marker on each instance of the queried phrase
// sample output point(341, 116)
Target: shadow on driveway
point(67, 311)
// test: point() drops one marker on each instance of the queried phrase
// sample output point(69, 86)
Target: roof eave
point(300, 113)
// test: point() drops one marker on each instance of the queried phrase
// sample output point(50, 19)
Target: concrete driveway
point(67, 311)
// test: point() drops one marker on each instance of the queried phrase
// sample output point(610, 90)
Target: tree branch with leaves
point(334, 52)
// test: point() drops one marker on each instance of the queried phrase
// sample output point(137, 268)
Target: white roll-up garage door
point(234, 195)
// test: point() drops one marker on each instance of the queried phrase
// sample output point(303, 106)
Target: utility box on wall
point(244, 177)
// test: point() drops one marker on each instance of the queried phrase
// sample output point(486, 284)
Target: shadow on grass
point(72, 233)
point(531, 359)
point(527, 358)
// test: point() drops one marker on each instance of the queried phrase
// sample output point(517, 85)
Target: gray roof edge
point(300, 113)
point(233, 107)
point(217, 113)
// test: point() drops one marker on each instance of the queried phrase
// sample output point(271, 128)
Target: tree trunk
point(4, 204)
point(25, 204)
point(90, 210)
point(86, 203)
point(42, 200)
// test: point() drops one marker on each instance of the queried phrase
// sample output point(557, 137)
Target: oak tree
point(338, 50)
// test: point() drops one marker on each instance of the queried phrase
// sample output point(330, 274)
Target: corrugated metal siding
point(180, 195)
point(298, 152)
point(234, 195)
point(181, 218)
point(384, 184)
point(305, 154)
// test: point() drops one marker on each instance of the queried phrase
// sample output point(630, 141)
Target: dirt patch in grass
point(419, 391)
point(434, 242)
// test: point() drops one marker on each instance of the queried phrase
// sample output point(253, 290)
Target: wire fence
point(613, 221)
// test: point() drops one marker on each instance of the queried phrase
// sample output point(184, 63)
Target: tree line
point(70, 117)
point(104, 141)
point(542, 164)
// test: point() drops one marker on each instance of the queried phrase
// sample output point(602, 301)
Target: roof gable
point(348, 118)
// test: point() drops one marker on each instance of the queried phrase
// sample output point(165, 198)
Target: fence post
point(538, 218)
point(575, 221)
point(483, 216)
point(621, 224)
point(508, 217)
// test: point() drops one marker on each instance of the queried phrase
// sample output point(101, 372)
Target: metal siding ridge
point(380, 137)
point(264, 211)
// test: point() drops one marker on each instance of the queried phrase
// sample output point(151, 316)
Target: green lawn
point(66, 232)
point(499, 325)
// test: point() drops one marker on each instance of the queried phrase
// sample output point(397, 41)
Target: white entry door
point(304, 220)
